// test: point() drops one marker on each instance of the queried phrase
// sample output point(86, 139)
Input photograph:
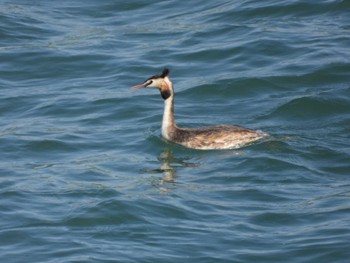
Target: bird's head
point(161, 82)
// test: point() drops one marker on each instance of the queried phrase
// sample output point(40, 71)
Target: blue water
point(85, 175)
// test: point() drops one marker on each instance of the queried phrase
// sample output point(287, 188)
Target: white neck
point(168, 123)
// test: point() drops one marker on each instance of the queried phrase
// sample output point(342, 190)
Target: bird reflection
point(169, 164)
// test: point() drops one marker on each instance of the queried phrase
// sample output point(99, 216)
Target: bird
point(219, 137)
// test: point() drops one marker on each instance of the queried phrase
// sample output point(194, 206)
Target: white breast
point(167, 118)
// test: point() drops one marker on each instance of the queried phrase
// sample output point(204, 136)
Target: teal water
point(85, 175)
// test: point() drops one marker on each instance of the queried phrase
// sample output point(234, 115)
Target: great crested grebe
point(206, 138)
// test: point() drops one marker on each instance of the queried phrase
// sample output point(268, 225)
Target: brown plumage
point(206, 138)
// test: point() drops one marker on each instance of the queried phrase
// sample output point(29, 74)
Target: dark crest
point(163, 75)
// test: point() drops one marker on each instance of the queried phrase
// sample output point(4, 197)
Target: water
point(86, 176)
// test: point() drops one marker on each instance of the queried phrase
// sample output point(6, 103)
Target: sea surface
point(85, 175)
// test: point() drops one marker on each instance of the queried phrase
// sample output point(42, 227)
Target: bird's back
point(216, 137)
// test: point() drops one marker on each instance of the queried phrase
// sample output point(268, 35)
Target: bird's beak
point(144, 85)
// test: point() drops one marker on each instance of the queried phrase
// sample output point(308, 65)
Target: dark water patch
point(48, 145)
point(332, 162)
point(329, 75)
point(287, 9)
point(53, 66)
point(119, 214)
point(313, 107)
point(24, 25)
point(269, 219)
